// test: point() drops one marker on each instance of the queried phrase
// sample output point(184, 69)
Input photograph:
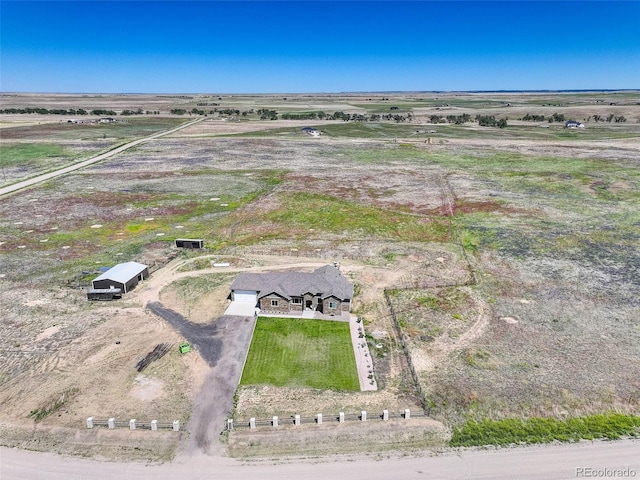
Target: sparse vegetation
point(547, 218)
point(335, 215)
point(53, 405)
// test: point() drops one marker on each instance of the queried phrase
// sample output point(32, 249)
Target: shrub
point(545, 430)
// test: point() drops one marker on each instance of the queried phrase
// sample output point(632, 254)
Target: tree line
point(483, 120)
point(559, 117)
point(77, 111)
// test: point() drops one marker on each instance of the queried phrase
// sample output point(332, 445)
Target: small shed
point(189, 243)
point(124, 276)
point(104, 294)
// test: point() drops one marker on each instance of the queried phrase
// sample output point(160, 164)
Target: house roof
point(123, 272)
point(326, 281)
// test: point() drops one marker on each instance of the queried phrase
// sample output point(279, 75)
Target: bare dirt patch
point(372, 436)
point(147, 389)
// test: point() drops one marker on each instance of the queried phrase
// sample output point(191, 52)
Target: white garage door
point(245, 296)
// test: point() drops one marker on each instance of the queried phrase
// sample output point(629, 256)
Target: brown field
point(510, 258)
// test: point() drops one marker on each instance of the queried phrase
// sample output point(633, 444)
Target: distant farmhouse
point(124, 276)
point(325, 291)
point(312, 131)
point(573, 124)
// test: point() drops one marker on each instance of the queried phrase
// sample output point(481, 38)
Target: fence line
point(414, 374)
point(294, 420)
point(449, 203)
point(132, 424)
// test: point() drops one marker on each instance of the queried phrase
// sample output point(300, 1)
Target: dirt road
point(76, 166)
point(223, 344)
point(549, 462)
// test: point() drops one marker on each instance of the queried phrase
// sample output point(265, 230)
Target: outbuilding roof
point(123, 272)
point(326, 281)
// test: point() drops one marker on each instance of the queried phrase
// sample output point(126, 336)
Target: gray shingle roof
point(327, 281)
point(123, 272)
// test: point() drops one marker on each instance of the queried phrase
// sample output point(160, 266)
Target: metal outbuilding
point(124, 276)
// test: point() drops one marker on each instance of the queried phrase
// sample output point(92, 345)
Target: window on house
point(296, 301)
point(332, 304)
point(274, 303)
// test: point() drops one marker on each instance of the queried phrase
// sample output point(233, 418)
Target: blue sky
point(317, 46)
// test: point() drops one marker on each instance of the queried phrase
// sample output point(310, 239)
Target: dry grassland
point(510, 257)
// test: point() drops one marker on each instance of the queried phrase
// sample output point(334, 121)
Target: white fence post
point(275, 420)
point(90, 422)
point(319, 419)
point(296, 420)
point(363, 415)
point(111, 422)
point(154, 425)
point(176, 425)
point(341, 417)
point(385, 415)
point(407, 414)
point(252, 422)
point(132, 424)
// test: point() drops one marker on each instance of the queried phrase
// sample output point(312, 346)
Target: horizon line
point(355, 92)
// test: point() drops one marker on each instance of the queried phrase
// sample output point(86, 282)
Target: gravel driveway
point(223, 344)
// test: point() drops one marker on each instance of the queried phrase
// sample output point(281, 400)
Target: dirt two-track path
point(76, 166)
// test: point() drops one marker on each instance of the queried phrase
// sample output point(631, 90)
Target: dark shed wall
point(189, 243)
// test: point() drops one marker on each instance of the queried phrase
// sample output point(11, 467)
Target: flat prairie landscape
point(496, 265)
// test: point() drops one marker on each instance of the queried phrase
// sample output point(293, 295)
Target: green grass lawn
point(289, 352)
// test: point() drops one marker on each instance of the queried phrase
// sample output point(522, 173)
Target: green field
point(544, 430)
point(22, 154)
point(331, 214)
point(289, 352)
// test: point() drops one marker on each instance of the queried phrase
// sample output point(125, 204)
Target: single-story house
point(325, 290)
point(124, 276)
point(314, 132)
point(573, 124)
